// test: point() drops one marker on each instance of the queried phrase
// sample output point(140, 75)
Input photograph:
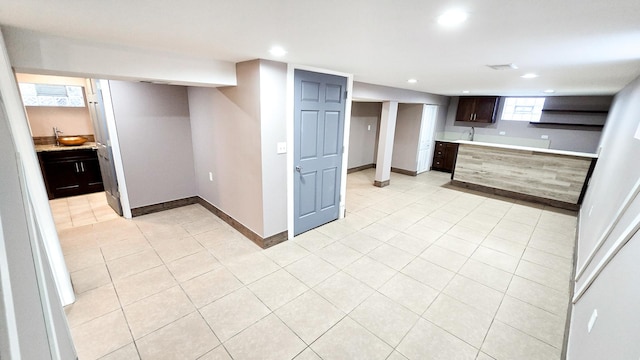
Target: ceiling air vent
point(503, 66)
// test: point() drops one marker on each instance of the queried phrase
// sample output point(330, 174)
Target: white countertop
point(527, 148)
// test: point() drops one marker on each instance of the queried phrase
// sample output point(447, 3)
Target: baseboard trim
point(248, 233)
point(360, 168)
point(150, 209)
point(381, 184)
point(404, 172)
point(517, 196)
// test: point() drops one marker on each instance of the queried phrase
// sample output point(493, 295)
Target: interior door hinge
point(345, 94)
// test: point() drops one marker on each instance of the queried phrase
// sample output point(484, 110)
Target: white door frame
point(290, 110)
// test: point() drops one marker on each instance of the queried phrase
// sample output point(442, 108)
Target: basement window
point(51, 95)
point(522, 109)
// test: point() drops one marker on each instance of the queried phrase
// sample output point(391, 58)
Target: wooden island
point(553, 177)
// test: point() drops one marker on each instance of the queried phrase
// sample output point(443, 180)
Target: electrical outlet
point(545, 137)
point(210, 176)
point(282, 148)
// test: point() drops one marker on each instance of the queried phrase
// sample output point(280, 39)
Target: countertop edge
point(526, 148)
point(50, 148)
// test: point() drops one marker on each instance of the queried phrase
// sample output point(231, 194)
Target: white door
point(427, 132)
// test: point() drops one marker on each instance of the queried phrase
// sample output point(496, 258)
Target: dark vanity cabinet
point(70, 172)
point(444, 156)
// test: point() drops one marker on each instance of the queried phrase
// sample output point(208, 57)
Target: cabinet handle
point(77, 170)
point(471, 117)
point(82, 166)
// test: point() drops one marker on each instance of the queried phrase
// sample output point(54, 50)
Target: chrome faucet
point(57, 133)
point(472, 133)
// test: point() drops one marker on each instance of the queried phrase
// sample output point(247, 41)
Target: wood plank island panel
point(539, 174)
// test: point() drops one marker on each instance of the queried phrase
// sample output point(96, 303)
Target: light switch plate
point(282, 148)
point(546, 137)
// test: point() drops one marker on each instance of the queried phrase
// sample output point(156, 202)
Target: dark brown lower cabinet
point(70, 172)
point(444, 156)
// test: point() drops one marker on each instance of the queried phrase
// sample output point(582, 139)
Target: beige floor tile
point(554, 262)
point(232, 247)
point(472, 235)
point(441, 344)
point(336, 230)
point(483, 356)
point(286, 253)
point(379, 231)
point(457, 245)
point(144, 284)
point(252, 267)
point(396, 356)
point(211, 286)
point(201, 226)
point(83, 259)
point(219, 353)
point(277, 289)
point(311, 270)
point(486, 274)
point(338, 255)
point(90, 278)
point(186, 338)
point(233, 313)
point(193, 265)
point(391, 256)
point(504, 343)
point(156, 311)
point(384, 318)
point(408, 243)
point(552, 247)
point(101, 336)
point(409, 293)
point(361, 242)
point(533, 321)
point(267, 339)
point(125, 247)
point(400, 220)
point(344, 291)
point(128, 352)
point(428, 273)
point(313, 240)
point(309, 316)
point(307, 354)
point(496, 259)
point(92, 304)
point(445, 258)
point(133, 264)
point(370, 272)
point(356, 221)
point(177, 249)
point(424, 233)
point(349, 340)
point(474, 294)
point(449, 216)
point(463, 321)
point(436, 224)
point(542, 275)
point(504, 246)
point(553, 301)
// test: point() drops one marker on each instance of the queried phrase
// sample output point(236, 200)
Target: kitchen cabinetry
point(479, 109)
point(444, 156)
point(70, 172)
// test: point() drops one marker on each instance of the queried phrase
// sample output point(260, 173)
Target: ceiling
point(575, 46)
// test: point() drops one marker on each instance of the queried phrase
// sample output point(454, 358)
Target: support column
point(385, 143)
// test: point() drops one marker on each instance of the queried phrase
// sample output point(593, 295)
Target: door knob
point(298, 168)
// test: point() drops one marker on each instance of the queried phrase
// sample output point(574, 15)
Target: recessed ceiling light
point(412, 81)
point(452, 17)
point(529, 76)
point(278, 51)
point(549, 91)
point(465, 91)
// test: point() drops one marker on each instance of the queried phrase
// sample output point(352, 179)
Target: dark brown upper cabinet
point(479, 109)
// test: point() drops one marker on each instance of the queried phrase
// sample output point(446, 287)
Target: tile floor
point(417, 270)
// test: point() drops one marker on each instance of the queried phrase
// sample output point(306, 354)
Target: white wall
point(407, 137)
point(615, 292)
point(363, 136)
point(273, 91)
point(34, 52)
point(571, 138)
point(155, 141)
point(226, 133)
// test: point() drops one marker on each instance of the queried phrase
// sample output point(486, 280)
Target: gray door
point(105, 155)
point(318, 130)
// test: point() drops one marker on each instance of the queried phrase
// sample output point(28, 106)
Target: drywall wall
point(407, 137)
point(615, 292)
point(226, 133)
point(70, 120)
point(565, 137)
point(273, 91)
point(34, 52)
point(363, 136)
point(154, 131)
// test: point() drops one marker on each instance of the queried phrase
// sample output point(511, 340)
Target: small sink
point(72, 140)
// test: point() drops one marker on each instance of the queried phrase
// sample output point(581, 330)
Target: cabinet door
point(466, 106)
point(485, 109)
point(450, 157)
point(91, 177)
point(63, 177)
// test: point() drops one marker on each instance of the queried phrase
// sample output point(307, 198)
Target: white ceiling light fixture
point(465, 91)
point(529, 76)
point(278, 51)
point(412, 81)
point(549, 91)
point(453, 17)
